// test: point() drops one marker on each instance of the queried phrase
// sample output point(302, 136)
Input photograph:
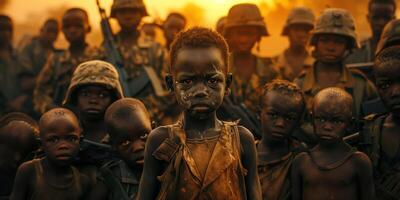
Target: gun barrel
point(352, 137)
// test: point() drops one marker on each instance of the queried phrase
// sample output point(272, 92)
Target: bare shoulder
point(156, 137)
point(361, 160)
point(27, 168)
point(301, 158)
point(246, 137)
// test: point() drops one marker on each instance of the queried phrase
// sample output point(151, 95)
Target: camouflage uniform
point(55, 77)
point(34, 56)
point(121, 181)
point(145, 59)
point(247, 91)
point(298, 15)
point(386, 169)
point(101, 73)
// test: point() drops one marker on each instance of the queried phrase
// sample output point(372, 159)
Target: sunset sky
point(29, 14)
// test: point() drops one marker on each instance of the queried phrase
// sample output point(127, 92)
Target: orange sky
point(29, 14)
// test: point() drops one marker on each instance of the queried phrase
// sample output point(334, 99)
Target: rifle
point(366, 68)
point(113, 54)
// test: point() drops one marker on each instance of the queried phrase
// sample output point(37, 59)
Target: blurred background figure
point(173, 24)
point(297, 29)
point(220, 26)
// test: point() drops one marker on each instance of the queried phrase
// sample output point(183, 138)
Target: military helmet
point(390, 35)
point(135, 4)
point(94, 72)
point(335, 21)
point(299, 15)
point(245, 14)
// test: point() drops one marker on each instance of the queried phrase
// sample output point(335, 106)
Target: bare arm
point(296, 178)
point(22, 181)
point(149, 185)
point(249, 161)
point(365, 178)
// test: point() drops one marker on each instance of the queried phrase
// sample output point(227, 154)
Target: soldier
point(334, 36)
point(296, 58)
point(143, 62)
point(200, 157)
point(8, 65)
point(33, 56)
point(174, 24)
point(54, 78)
point(381, 132)
point(244, 28)
point(380, 12)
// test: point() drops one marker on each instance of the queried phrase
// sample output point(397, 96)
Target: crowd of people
point(203, 117)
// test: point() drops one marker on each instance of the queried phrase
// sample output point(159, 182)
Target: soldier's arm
point(249, 162)
point(296, 178)
point(42, 95)
point(364, 176)
point(149, 185)
point(22, 181)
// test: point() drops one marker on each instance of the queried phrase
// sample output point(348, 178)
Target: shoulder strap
point(168, 148)
point(114, 184)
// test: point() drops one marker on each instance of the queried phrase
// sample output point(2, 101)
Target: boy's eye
point(103, 95)
point(212, 81)
point(320, 119)
point(84, 94)
point(290, 118)
point(53, 139)
point(273, 115)
point(73, 138)
point(186, 81)
point(338, 121)
point(124, 143)
point(383, 84)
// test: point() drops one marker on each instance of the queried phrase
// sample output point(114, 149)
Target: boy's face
point(387, 80)
point(172, 27)
point(199, 80)
point(129, 140)
point(49, 32)
point(75, 27)
point(379, 15)
point(92, 101)
point(331, 118)
point(128, 18)
point(280, 115)
point(299, 34)
point(17, 141)
point(242, 39)
point(331, 47)
point(60, 135)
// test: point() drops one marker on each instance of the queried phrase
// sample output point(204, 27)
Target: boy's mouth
point(278, 135)
point(201, 107)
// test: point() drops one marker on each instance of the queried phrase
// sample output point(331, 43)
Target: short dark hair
point(389, 55)
point(50, 21)
point(5, 18)
point(199, 37)
point(176, 14)
point(81, 10)
point(283, 87)
point(17, 116)
point(392, 2)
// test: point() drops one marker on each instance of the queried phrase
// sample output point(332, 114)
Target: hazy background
point(28, 15)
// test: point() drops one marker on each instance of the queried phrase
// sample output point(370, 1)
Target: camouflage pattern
point(94, 72)
point(336, 21)
point(245, 14)
point(390, 35)
point(299, 15)
point(135, 58)
point(249, 91)
point(122, 183)
point(134, 4)
point(285, 70)
point(33, 56)
point(53, 80)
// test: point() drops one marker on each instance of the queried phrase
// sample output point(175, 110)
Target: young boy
point(54, 78)
point(382, 130)
point(283, 106)
point(128, 124)
point(200, 156)
point(333, 38)
point(18, 134)
point(53, 177)
point(333, 169)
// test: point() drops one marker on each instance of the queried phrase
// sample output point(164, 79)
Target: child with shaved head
point(18, 134)
point(332, 170)
point(53, 177)
point(128, 123)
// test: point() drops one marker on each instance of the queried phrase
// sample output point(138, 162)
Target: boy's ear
point(169, 80)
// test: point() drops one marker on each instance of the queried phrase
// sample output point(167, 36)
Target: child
point(200, 156)
point(53, 177)
point(282, 108)
point(332, 170)
point(18, 134)
point(382, 130)
point(128, 124)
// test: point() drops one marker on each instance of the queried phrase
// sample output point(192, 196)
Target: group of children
point(101, 145)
